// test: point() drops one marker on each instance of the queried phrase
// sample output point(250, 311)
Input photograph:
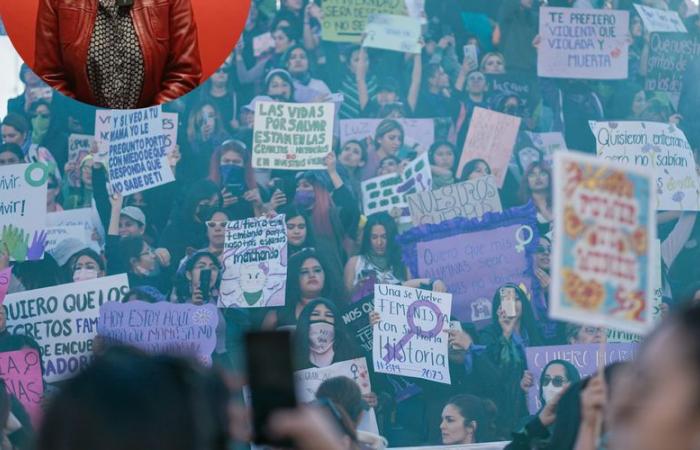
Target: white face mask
point(321, 337)
point(550, 391)
point(84, 274)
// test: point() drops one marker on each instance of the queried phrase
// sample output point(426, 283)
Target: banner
point(605, 225)
point(669, 55)
point(475, 257)
point(163, 327)
point(79, 146)
point(292, 136)
point(23, 209)
point(419, 134)
point(21, 371)
point(660, 21)
point(410, 340)
point(583, 43)
point(469, 199)
point(491, 137)
point(356, 320)
point(392, 32)
point(659, 146)
point(133, 146)
point(345, 20)
point(586, 359)
point(308, 380)
point(255, 263)
point(63, 321)
point(388, 192)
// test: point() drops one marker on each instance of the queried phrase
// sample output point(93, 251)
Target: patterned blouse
point(115, 63)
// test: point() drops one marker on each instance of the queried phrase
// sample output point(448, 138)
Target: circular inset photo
point(124, 54)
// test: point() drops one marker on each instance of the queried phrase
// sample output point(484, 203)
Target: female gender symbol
point(523, 241)
point(414, 330)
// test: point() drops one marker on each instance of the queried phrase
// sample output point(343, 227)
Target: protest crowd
point(354, 168)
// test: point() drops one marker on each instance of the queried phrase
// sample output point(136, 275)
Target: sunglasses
point(216, 223)
point(557, 381)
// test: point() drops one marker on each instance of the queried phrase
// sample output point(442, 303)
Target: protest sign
point(585, 358)
point(133, 146)
point(163, 327)
point(356, 320)
point(87, 218)
point(583, 43)
point(392, 32)
point(23, 209)
point(660, 21)
point(419, 134)
point(605, 225)
point(79, 146)
point(410, 339)
point(345, 20)
point(263, 43)
point(292, 136)
point(661, 147)
point(170, 124)
point(521, 84)
point(491, 137)
point(669, 55)
point(56, 235)
point(469, 199)
point(5, 278)
point(255, 263)
point(63, 321)
point(475, 257)
point(387, 192)
point(21, 372)
point(308, 380)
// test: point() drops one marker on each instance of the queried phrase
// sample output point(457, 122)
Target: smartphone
point(456, 325)
point(470, 54)
point(508, 301)
point(205, 284)
point(235, 189)
point(271, 380)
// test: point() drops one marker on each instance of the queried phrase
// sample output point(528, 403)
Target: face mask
point(40, 125)
point(304, 199)
point(231, 174)
point(321, 336)
point(550, 391)
point(84, 274)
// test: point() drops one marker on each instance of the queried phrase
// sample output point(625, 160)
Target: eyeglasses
point(557, 381)
point(216, 223)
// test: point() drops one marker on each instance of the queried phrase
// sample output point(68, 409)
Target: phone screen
point(271, 380)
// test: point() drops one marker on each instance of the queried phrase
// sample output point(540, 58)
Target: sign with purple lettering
point(583, 43)
point(585, 360)
point(21, 372)
point(164, 327)
point(475, 257)
point(410, 338)
point(63, 321)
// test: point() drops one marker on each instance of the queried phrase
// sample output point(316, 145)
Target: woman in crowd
point(10, 154)
point(299, 232)
point(466, 419)
point(47, 131)
point(86, 264)
point(388, 139)
point(536, 186)
point(358, 85)
point(493, 63)
point(353, 157)
point(230, 168)
point(191, 278)
point(205, 131)
point(306, 88)
point(442, 163)
point(474, 169)
point(80, 196)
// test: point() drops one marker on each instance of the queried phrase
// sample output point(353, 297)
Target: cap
point(134, 213)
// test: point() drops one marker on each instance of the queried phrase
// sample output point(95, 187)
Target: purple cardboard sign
point(475, 257)
point(584, 357)
point(181, 329)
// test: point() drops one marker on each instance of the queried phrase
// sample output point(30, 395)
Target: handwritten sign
point(586, 359)
point(255, 263)
point(79, 146)
point(392, 32)
point(63, 321)
point(23, 209)
point(419, 134)
point(521, 84)
point(491, 137)
point(87, 218)
point(583, 43)
point(356, 320)
point(470, 199)
point(475, 258)
point(292, 136)
point(308, 380)
point(387, 192)
point(660, 21)
point(134, 147)
point(21, 372)
point(605, 226)
point(669, 55)
point(56, 235)
point(661, 147)
point(163, 327)
point(170, 124)
point(345, 20)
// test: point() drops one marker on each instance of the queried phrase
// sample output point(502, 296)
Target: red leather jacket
point(167, 35)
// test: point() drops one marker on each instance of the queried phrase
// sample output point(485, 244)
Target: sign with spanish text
point(79, 146)
point(21, 372)
point(392, 32)
point(660, 21)
point(419, 134)
point(669, 55)
point(345, 20)
point(308, 380)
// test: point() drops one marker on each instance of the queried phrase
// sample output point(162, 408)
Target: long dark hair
point(294, 270)
point(342, 345)
point(528, 324)
point(183, 286)
point(525, 191)
point(290, 211)
point(470, 167)
point(571, 373)
point(481, 411)
point(393, 250)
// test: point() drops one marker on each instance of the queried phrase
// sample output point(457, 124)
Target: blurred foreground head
point(127, 400)
point(656, 401)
